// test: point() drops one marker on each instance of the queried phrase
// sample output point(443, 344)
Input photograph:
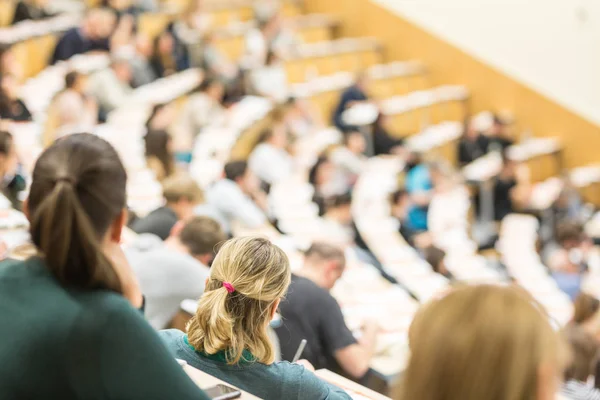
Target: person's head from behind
point(213, 88)
point(569, 234)
point(182, 194)
point(470, 131)
point(248, 278)
point(585, 307)
point(325, 264)
point(498, 128)
point(339, 208)
point(158, 144)
point(99, 23)
point(584, 354)
point(201, 236)
point(76, 206)
point(8, 156)
point(275, 136)
point(321, 173)
point(435, 257)
point(400, 203)
point(482, 342)
point(76, 81)
point(238, 172)
point(355, 142)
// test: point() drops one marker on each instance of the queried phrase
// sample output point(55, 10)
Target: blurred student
point(112, 86)
point(176, 269)
point(482, 342)
point(271, 80)
point(585, 307)
point(238, 197)
point(322, 177)
point(435, 257)
point(384, 142)
point(511, 188)
point(216, 62)
point(181, 195)
point(203, 107)
point(270, 161)
point(400, 204)
point(159, 144)
point(310, 312)
point(472, 144)
point(498, 135)
point(350, 159)
point(11, 106)
point(11, 183)
point(81, 293)
point(355, 94)
point(141, 69)
point(228, 338)
point(419, 185)
point(92, 35)
point(31, 10)
point(301, 118)
point(8, 62)
point(164, 61)
point(584, 350)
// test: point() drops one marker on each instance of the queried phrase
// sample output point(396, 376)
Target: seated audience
point(203, 107)
point(164, 61)
point(228, 338)
point(301, 118)
point(176, 269)
point(355, 94)
point(350, 158)
point(322, 178)
point(216, 63)
point(511, 188)
point(270, 161)
point(419, 185)
point(472, 144)
point(338, 220)
point(31, 10)
point(498, 136)
point(584, 357)
point(142, 72)
point(504, 347)
point(400, 204)
point(384, 142)
point(238, 197)
point(112, 86)
point(81, 293)
point(271, 80)
point(330, 344)
point(159, 145)
point(11, 107)
point(181, 195)
point(93, 35)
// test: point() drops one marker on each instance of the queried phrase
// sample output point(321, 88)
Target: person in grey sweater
point(176, 269)
point(227, 337)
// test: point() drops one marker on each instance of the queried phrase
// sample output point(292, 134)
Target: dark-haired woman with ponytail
point(70, 328)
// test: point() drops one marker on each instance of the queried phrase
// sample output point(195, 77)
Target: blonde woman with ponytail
point(482, 343)
point(70, 327)
point(227, 337)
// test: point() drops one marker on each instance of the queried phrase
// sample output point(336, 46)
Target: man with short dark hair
point(310, 312)
point(238, 197)
point(175, 270)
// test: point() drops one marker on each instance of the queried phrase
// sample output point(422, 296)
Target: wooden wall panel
point(491, 89)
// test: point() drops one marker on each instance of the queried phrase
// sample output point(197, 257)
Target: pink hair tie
point(229, 287)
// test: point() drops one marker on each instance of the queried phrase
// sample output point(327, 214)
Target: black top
point(15, 111)
point(310, 312)
point(383, 142)
point(73, 42)
point(24, 12)
point(65, 343)
point(352, 94)
point(502, 202)
point(499, 143)
point(470, 150)
point(159, 222)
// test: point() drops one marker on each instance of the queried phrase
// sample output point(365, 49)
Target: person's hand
point(306, 365)
point(129, 282)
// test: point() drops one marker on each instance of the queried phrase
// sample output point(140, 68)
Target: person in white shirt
point(203, 107)
point(271, 80)
point(350, 158)
point(176, 269)
point(238, 197)
point(111, 87)
point(270, 160)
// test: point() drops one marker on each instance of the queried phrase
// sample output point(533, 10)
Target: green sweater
point(277, 381)
point(58, 343)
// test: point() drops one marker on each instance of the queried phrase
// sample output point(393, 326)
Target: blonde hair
point(234, 322)
point(479, 342)
point(182, 186)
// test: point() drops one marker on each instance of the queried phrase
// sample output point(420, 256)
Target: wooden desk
point(353, 388)
point(205, 381)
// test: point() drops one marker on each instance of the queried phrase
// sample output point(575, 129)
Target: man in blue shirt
point(354, 94)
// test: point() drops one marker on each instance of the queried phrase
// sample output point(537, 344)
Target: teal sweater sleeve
point(114, 354)
point(312, 387)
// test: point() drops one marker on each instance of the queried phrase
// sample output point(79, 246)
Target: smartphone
point(223, 392)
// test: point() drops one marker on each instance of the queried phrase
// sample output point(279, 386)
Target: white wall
point(553, 46)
